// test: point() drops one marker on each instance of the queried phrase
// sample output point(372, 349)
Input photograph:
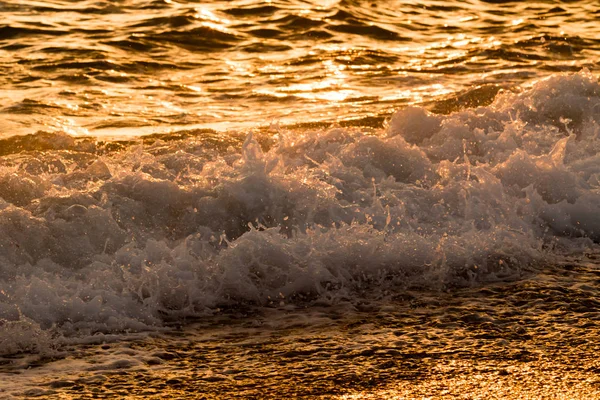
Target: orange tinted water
point(133, 67)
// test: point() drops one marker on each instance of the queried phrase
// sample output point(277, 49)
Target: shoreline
point(532, 338)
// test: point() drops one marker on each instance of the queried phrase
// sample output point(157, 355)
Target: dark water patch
point(311, 34)
point(502, 2)
point(561, 49)
point(491, 29)
point(15, 47)
point(81, 52)
point(265, 47)
point(200, 39)
point(559, 68)
point(555, 10)
point(26, 79)
point(535, 41)
point(566, 46)
point(231, 96)
point(48, 9)
point(343, 15)
point(372, 31)
point(512, 55)
point(94, 33)
point(226, 89)
point(252, 11)
point(173, 21)
point(265, 33)
point(106, 10)
point(451, 28)
point(296, 21)
point(443, 8)
point(9, 6)
point(74, 78)
point(156, 5)
point(414, 26)
point(133, 43)
point(152, 66)
point(120, 123)
point(361, 99)
point(492, 21)
point(373, 121)
point(79, 65)
point(526, 28)
point(11, 32)
point(114, 78)
point(28, 106)
point(305, 60)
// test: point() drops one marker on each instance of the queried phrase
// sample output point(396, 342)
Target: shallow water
point(351, 199)
point(129, 67)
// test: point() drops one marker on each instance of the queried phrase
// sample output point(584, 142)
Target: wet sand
point(536, 338)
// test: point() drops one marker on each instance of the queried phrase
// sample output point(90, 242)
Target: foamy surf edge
point(95, 242)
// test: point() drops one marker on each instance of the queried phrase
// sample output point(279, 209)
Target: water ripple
point(318, 59)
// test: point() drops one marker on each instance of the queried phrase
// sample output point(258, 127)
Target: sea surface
point(299, 199)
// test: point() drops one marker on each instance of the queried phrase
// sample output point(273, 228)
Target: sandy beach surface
point(531, 339)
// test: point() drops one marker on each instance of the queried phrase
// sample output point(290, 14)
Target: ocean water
point(338, 199)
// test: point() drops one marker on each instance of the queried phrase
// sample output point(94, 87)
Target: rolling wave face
point(121, 236)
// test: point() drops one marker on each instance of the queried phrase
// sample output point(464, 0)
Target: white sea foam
point(120, 242)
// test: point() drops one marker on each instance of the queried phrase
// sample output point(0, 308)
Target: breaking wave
point(109, 237)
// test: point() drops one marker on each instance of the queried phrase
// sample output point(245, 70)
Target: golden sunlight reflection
point(207, 15)
point(341, 199)
point(216, 26)
point(332, 87)
point(323, 57)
